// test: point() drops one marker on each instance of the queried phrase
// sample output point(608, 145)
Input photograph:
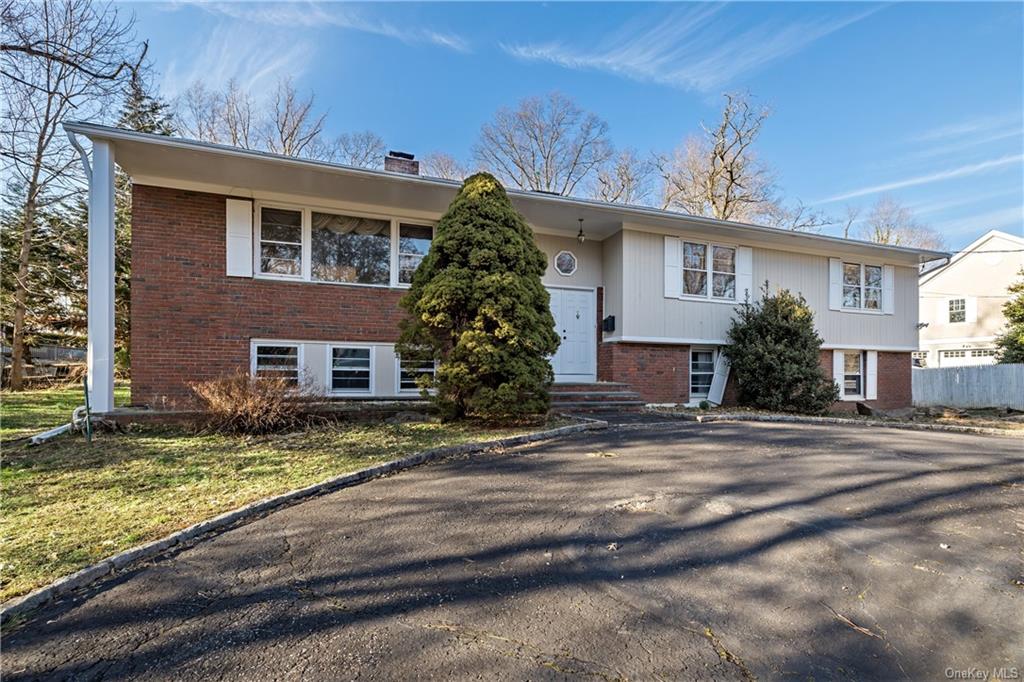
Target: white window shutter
point(871, 387)
point(673, 278)
point(835, 284)
point(837, 370)
point(744, 273)
point(717, 391)
point(970, 309)
point(239, 238)
point(888, 289)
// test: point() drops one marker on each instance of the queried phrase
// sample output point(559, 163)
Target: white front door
point(576, 324)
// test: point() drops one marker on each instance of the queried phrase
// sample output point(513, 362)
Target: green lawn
point(26, 413)
point(66, 504)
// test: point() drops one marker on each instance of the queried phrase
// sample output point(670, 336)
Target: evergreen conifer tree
point(477, 306)
point(1011, 341)
point(775, 353)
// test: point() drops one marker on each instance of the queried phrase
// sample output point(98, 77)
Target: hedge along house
point(244, 260)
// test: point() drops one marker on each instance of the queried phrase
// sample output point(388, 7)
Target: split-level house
point(962, 302)
point(244, 260)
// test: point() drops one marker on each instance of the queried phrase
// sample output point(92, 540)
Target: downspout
point(64, 428)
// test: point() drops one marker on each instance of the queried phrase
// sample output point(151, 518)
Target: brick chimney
point(401, 162)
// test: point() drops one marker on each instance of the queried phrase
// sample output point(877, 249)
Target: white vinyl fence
point(983, 386)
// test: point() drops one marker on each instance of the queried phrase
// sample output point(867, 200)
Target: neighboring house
point(962, 302)
point(283, 266)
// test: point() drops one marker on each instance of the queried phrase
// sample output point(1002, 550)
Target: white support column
point(101, 278)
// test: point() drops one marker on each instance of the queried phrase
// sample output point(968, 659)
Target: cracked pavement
point(667, 551)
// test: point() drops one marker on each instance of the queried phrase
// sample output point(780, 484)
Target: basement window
point(409, 371)
point(277, 362)
point(351, 369)
point(702, 372)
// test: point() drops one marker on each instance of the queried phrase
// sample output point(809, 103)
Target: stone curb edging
point(906, 426)
point(17, 606)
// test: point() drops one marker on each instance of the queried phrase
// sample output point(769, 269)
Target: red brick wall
point(894, 389)
point(191, 322)
point(659, 373)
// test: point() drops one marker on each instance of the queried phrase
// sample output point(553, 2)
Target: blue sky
point(921, 101)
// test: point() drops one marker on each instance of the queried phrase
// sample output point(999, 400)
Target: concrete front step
point(600, 406)
point(594, 386)
point(577, 396)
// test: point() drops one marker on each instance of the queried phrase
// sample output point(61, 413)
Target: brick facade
point(191, 322)
point(659, 373)
point(894, 389)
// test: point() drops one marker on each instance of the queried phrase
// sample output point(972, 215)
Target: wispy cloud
point(693, 49)
point(252, 55)
point(314, 15)
point(959, 172)
point(1000, 218)
point(979, 127)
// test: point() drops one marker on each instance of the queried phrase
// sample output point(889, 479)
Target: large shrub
point(775, 354)
point(1011, 341)
point(477, 306)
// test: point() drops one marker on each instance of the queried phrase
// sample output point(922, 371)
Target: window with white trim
point(698, 269)
point(919, 358)
point(277, 361)
point(336, 247)
point(351, 369)
point(957, 310)
point(280, 242)
point(350, 249)
point(853, 374)
point(413, 244)
point(702, 372)
point(862, 286)
point(409, 371)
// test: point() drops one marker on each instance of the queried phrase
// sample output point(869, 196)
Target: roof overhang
point(176, 162)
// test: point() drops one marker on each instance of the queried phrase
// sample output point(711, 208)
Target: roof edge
point(97, 131)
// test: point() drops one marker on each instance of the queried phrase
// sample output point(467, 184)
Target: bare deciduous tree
point(889, 222)
point(200, 112)
point(60, 58)
point(547, 144)
point(442, 165)
point(364, 149)
point(239, 116)
point(624, 179)
point(717, 174)
point(294, 127)
point(852, 218)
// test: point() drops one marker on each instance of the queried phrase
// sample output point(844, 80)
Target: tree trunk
point(21, 294)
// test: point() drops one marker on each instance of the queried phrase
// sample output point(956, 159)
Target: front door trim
point(590, 376)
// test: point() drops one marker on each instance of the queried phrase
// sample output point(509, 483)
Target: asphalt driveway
point(689, 551)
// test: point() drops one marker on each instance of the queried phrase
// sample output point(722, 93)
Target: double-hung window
point(281, 242)
point(702, 372)
point(409, 371)
point(277, 361)
point(350, 249)
point(413, 244)
point(704, 263)
point(862, 286)
point(957, 310)
point(351, 369)
point(853, 374)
